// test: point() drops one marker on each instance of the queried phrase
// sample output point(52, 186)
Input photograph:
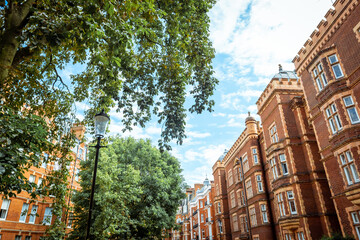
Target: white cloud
point(219, 114)
point(153, 130)
point(198, 134)
point(271, 33)
point(235, 100)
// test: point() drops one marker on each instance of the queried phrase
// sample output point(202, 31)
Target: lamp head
point(101, 121)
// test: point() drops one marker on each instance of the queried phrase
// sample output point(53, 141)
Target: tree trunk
point(15, 20)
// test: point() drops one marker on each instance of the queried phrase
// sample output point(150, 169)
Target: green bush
point(337, 236)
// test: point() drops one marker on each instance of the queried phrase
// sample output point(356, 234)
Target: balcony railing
point(194, 213)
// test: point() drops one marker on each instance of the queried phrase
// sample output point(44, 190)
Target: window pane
point(284, 168)
point(343, 159)
point(354, 117)
point(319, 84)
point(348, 156)
point(328, 112)
point(320, 67)
point(315, 72)
point(323, 78)
point(355, 217)
point(338, 122)
point(347, 174)
point(33, 214)
point(333, 108)
point(333, 59)
point(354, 172)
point(348, 101)
point(337, 71)
point(332, 125)
point(23, 213)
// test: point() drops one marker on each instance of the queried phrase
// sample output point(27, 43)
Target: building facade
point(296, 176)
point(24, 219)
point(329, 69)
point(196, 215)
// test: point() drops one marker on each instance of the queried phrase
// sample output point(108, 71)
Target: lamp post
point(101, 121)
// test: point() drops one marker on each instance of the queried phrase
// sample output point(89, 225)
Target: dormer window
point(335, 65)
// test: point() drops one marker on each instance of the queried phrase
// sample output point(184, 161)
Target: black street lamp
point(101, 121)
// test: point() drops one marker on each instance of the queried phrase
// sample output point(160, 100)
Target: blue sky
point(251, 37)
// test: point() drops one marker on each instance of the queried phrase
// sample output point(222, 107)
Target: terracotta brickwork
point(334, 50)
point(196, 215)
point(31, 226)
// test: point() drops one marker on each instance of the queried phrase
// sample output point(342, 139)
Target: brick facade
point(308, 144)
point(333, 107)
point(31, 227)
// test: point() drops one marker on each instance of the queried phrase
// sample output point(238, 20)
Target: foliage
point(140, 55)
point(138, 190)
point(337, 236)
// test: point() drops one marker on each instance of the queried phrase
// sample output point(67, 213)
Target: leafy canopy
point(141, 56)
point(138, 191)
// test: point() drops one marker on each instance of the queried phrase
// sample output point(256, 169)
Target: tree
point(140, 55)
point(138, 191)
point(337, 236)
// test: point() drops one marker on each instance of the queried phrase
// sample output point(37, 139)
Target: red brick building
point(196, 215)
point(222, 219)
point(297, 175)
point(329, 69)
point(22, 219)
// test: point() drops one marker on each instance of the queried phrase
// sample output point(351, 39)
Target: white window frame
point(291, 201)
point(274, 168)
point(5, 205)
point(335, 64)
point(255, 155)
point(220, 226)
point(259, 183)
point(333, 118)
point(349, 168)
point(32, 178)
point(301, 236)
point(281, 205)
point(23, 213)
point(319, 76)
point(351, 109)
point(273, 134)
point(40, 180)
point(47, 216)
point(283, 163)
point(264, 213)
point(356, 222)
point(33, 212)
